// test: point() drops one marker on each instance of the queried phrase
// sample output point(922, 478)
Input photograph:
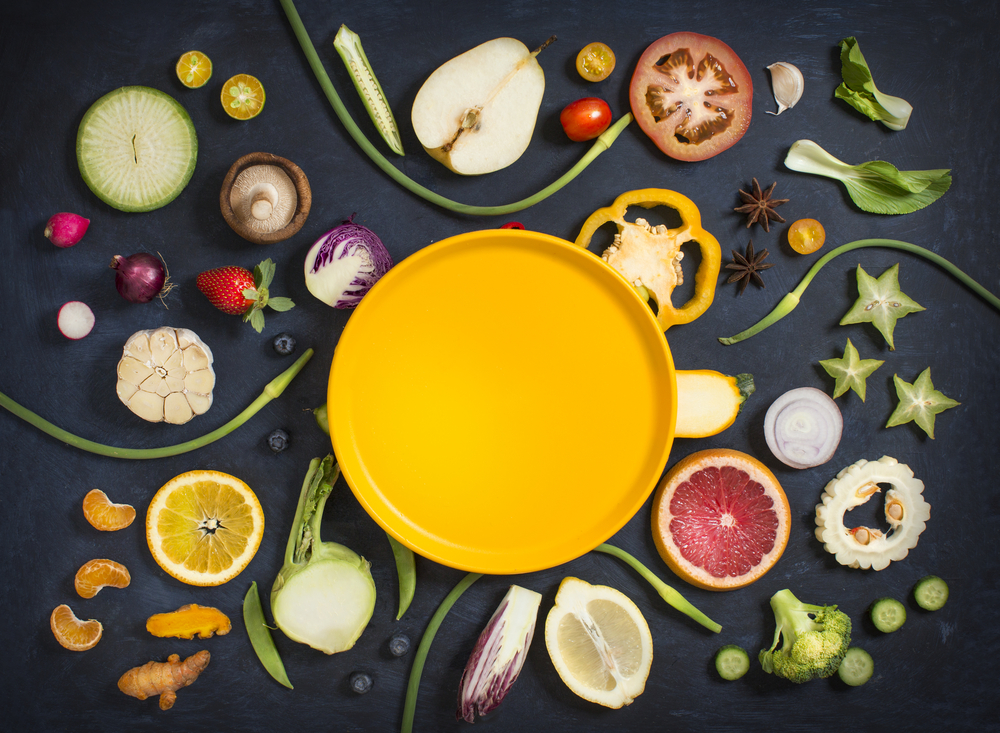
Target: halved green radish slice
point(136, 148)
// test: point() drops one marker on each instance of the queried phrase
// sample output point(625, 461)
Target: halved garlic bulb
point(788, 83)
point(166, 375)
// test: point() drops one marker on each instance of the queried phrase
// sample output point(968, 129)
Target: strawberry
point(235, 290)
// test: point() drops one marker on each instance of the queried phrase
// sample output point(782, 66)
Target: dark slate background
point(57, 58)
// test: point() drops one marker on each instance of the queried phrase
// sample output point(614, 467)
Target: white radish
point(75, 320)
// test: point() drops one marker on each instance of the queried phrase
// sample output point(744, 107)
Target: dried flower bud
point(499, 654)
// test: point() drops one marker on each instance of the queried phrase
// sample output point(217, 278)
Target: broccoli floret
point(813, 639)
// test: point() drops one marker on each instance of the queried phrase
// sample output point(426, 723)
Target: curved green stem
point(273, 389)
point(788, 303)
point(600, 145)
point(413, 686)
point(667, 593)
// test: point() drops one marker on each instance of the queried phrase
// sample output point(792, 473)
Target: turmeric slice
point(189, 620)
point(163, 678)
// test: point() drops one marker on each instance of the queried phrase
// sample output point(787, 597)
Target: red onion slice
point(803, 427)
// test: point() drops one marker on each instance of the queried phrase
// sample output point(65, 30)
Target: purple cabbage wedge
point(499, 654)
point(344, 264)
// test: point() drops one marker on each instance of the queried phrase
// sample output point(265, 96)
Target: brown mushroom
point(265, 198)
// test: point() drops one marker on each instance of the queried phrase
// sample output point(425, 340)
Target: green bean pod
point(260, 637)
point(406, 570)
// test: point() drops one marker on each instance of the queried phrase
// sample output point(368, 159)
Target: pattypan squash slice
point(906, 512)
point(649, 257)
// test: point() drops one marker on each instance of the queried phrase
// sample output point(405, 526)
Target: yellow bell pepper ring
point(649, 257)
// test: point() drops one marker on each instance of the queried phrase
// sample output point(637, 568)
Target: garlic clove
point(147, 405)
point(788, 83)
point(176, 409)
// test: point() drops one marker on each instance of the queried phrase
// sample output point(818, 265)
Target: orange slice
point(243, 97)
point(105, 515)
point(720, 519)
point(97, 574)
point(71, 632)
point(204, 527)
point(194, 69)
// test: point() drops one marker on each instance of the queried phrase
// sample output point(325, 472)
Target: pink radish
point(75, 320)
point(65, 229)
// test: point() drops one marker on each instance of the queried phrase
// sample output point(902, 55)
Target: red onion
point(140, 277)
point(803, 427)
point(345, 263)
point(65, 229)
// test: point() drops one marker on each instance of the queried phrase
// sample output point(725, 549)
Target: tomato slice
point(595, 62)
point(691, 95)
point(806, 236)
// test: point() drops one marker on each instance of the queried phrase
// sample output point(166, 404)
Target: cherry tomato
point(806, 236)
point(595, 62)
point(691, 95)
point(585, 118)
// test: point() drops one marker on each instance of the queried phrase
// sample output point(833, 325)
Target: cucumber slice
point(732, 662)
point(136, 148)
point(930, 593)
point(857, 667)
point(888, 614)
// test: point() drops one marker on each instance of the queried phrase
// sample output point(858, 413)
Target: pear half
point(476, 112)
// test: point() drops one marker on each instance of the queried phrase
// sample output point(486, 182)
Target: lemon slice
point(599, 643)
point(194, 69)
point(243, 97)
point(204, 527)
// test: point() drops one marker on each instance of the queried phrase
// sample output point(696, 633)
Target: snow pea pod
point(260, 637)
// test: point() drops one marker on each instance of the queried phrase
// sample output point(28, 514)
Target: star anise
point(748, 267)
point(759, 206)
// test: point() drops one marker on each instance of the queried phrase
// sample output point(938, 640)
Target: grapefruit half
point(720, 519)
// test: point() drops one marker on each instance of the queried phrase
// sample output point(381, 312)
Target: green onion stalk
point(671, 596)
point(413, 686)
point(787, 304)
point(273, 390)
point(600, 145)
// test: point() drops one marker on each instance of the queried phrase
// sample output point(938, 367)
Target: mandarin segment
point(71, 632)
point(105, 515)
point(97, 574)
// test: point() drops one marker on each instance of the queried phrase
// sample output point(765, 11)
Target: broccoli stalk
point(813, 639)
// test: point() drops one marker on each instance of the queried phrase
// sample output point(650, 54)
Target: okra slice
point(348, 45)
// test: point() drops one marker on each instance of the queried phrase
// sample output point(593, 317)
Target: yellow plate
point(502, 402)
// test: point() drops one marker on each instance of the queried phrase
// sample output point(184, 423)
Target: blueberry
point(284, 344)
point(399, 645)
point(278, 440)
point(361, 682)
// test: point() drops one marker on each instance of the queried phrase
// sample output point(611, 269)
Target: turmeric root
point(189, 620)
point(163, 678)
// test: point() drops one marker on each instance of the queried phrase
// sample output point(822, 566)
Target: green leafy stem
point(273, 389)
point(787, 304)
point(600, 145)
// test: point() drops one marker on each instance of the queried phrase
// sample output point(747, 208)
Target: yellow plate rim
point(352, 465)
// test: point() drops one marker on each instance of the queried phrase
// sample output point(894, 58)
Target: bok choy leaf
point(875, 186)
point(859, 90)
